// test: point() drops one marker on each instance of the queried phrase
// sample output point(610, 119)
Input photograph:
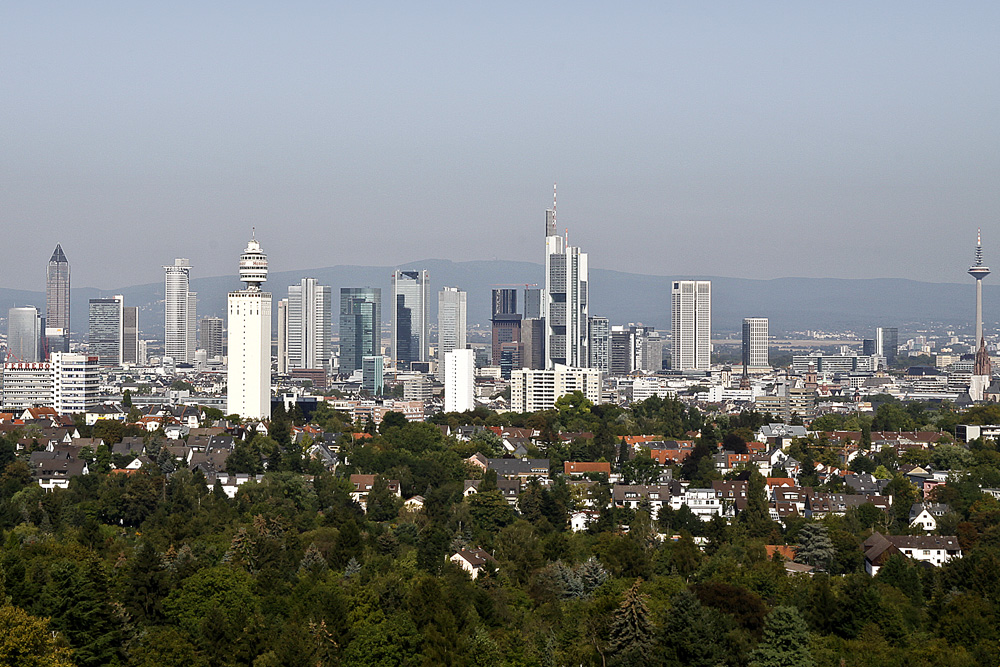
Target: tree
point(815, 547)
point(631, 640)
point(756, 516)
point(786, 641)
point(691, 635)
point(641, 470)
point(26, 641)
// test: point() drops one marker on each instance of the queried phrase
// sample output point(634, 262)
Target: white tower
point(691, 322)
point(978, 271)
point(178, 312)
point(249, 376)
point(459, 381)
point(565, 305)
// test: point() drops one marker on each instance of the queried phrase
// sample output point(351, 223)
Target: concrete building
point(107, 330)
point(76, 381)
point(248, 392)
point(887, 338)
point(634, 348)
point(533, 343)
point(599, 332)
point(459, 381)
point(26, 385)
point(532, 303)
point(282, 364)
point(691, 325)
point(373, 375)
point(211, 337)
point(533, 390)
point(57, 302)
point(452, 314)
point(360, 326)
point(565, 306)
point(755, 343)
point(309, 325)
point(409, 317)
point(24, 334)
point(130, 335)
point(179, 313)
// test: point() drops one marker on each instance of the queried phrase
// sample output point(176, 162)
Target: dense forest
point(160, 568)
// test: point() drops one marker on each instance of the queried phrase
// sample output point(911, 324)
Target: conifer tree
point(631, 639)
point(815, 547)
point(785, 642)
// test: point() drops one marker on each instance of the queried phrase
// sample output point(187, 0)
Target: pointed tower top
point(58, 255)
point(977, 270)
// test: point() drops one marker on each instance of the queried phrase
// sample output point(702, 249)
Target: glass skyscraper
point(409, 317)
point(360, 326)
point(57, 302)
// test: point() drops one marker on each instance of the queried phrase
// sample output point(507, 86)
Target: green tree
point(786, 641)
point(631, 640)
point(26, 641)
point(690, 635)
point(815, 547)
point(756, 516)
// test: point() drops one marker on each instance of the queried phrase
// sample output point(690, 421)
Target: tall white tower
point(249, 376)
point(691, 323)
point(565, 305)
point(978, 271)
point(178, 312)
point(452, 314)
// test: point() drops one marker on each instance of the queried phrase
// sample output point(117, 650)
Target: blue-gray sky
point(764, 139)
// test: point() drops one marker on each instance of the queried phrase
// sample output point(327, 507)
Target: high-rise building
point(691, 302)
point(24, 334)
point(76, 382)
point(57, 302)
point(309, 325)
point(107, 330)
point(459, 377)
point(452, 313)
point(977, 271)
point(533, 343)
point(373, 374)
point(179, 313)
point(504, 302)
point(887, 340)
point(532, 303)
point(505, 320)
point(868, 347)
point(360, 326)
point(249, 336)
point(130, 335)
point(755, 343)
point(283, 336)
point(534, 390)
point(210, 335)
point(600, 337)
point(565, 305)
point(634, 348)
point(26, 385)
point(409, 317)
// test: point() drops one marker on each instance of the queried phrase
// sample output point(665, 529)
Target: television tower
point(978, 271)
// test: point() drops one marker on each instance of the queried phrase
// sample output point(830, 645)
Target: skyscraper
point(691, 322)
point(452, 313)
point(887, 339)
point(57, 302)
point(373, 374)
point(460, 368)
point(409, 317)
point(210, 336)
point(755, 343)
point(249, 373)
point(179, 313)
point(107, 330)
point(282, 336)
point(360, 326)
point(532, 303)
point(599, 333)
point(977, 271)
point(565, 304)
point(309, 325)
point(24, 335)
point(505, 321)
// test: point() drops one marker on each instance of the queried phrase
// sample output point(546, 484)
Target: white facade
point(533, 390)
point(459, 381)
point(452, 308)
point(691, 308)
point(283, 336)
point(309, 325)
point(76, 381)
point(755, 343)
point(179, 312)
point(249, 372)
point(565, 305)
point(26, 385)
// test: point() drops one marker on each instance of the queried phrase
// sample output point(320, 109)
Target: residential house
point(933, 549)
point(473, 561)
point(925, 515)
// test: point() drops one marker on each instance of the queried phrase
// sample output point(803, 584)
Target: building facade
point(76, 381)
point(409, 317)
point(691, 325)
point(26, 385)
point(248, 391)
point(360, 326)
point(373, 374)
point(57, 302)
point(887, 341)
point(533, 343)
point(533, 390)
point(107, 330)
point(755, 343)
point(309, 325)
point(599, 333)
point(130, 335)
point(210, 335)
point(459, 379)
point(24, 335)
point(179, 313)
point(452, 314)
point(565, 306)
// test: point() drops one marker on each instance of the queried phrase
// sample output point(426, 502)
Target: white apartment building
point(755, 343)
point(459, 381)
point(76, 381)
point(26, 385)
point(533, 390)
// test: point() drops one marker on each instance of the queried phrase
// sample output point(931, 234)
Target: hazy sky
point(753, 139)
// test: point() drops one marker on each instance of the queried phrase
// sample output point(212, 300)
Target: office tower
point(532, 303)
point(130, 335)
point(360, 326)
point(533, 343)
point(977, 271)
point(409, 317)
point(634, 348)
point(868, 347)
point(210, 335)
point(651, 351)
point(179, 312)
point(249, 336)
point(534, 390)
point(505, 320)
point(599, 333)
point(459, 378)
point(565, 305)
point(24, 334)
point(373, 374)
point(26, 385)
point(452, 307)
point(76, 381)
point(619, 350)
point(107, 330)
point(691, 302)
point(283, 336)
point(504, 302)
point(755, 343)
point(511, 355)
point(309, 322)
point(57, 302)
point(887, 339)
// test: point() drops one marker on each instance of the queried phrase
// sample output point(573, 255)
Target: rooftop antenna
point(553, 203)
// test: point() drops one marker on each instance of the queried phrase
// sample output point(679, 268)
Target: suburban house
point(472, 561)
point(932, 549)
point(363, 484)
point(925, 515)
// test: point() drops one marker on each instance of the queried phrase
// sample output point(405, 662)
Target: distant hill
point(792, 304)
